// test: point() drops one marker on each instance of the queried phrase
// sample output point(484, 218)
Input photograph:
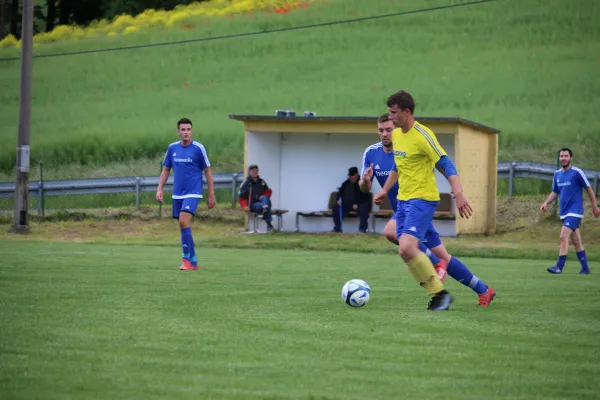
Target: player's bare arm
point(365, 182)
point(211, 202)
point(389, 183)
point(449, 171)
point(595, 209)
point(548, 201)
point(464, 208)
point(164, 175)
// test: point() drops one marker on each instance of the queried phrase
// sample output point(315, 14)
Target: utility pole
point(20, 224)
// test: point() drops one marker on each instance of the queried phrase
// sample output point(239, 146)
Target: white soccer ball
point(356, 293)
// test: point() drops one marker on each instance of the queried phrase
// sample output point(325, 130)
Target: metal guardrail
point(129, 184)
point(506, 170)
point(514, 169)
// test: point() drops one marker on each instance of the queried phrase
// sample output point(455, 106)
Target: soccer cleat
point(584, 272)
point(442, 269)
point(486, 298)
point(554, 270)
point(440, 301)
point(186, 265)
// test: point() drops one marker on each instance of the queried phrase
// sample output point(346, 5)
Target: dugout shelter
point(304, 159)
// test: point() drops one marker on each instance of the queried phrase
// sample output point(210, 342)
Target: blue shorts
point(415, 217)
point(571, 222)
point(188, 205)
point(432, 238)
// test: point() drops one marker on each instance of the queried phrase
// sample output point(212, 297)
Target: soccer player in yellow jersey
point(382, 156)
point(416, 152)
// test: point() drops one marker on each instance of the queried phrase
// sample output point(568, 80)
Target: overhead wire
point(247, 34)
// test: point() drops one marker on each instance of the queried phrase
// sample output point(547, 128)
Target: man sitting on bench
point(255, 196)
point(351, 198)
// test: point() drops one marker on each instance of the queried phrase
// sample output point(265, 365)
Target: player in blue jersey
point(569, 183)
point(378, 161)
point(189, 160)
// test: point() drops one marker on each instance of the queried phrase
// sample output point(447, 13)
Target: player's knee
point(183, 222)
point(391, 237)
point(407, 248)
point(441, 253)
point(390, 233)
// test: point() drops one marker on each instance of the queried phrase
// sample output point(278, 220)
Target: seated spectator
point(255, 196)
point(351, 198)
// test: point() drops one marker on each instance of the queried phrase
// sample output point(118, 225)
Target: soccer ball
point(356, 293)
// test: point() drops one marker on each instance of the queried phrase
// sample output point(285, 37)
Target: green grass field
point(92, 304)
point(113, 321)
point(529, 68)
point(522, 232)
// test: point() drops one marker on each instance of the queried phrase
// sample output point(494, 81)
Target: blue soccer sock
point(193, 258)
point(432, 257)
point(561, 261)
point(460, 272)
point(186, 243)
point(583, 260)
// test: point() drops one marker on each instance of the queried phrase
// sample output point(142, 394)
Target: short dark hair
point(566, 149)
point(184, 121)
point(383, 118)
point(403, 100)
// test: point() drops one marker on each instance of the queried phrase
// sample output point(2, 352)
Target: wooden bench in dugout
point(325, 213)
point(443, 211)
point(276, 213)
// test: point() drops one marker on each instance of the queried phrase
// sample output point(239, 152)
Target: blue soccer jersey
point(569, 185)
point(383, 163)
point(187, 162)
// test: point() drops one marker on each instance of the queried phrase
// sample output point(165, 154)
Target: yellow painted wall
point(492, 183)
point(476, 161)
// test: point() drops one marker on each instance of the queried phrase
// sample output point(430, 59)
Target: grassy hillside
point(531, 69)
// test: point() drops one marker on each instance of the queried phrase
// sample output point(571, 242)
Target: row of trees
point(49, 13)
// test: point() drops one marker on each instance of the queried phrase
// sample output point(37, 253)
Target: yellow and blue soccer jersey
point(416, 152)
